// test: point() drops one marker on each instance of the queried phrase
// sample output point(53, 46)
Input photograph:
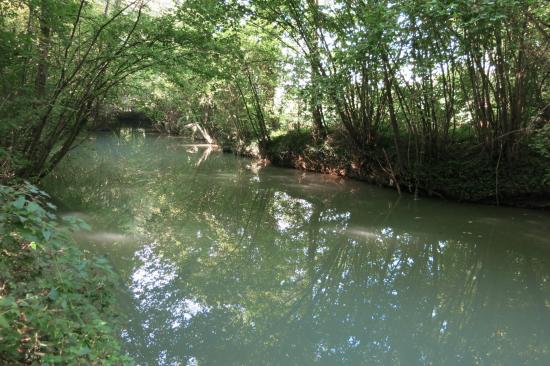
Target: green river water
point(225, 263)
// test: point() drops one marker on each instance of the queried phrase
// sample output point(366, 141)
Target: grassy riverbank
point(56, 301)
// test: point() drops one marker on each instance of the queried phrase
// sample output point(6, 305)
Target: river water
point(227, 263)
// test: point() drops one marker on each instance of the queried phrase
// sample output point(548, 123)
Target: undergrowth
point(56, 303)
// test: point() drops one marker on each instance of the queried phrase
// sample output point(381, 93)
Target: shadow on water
point(225, 265)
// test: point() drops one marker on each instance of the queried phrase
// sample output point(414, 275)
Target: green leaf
point(3, 322)
point(85, 226)
point(19, 203)
point(46, 233)
point(69, 219)
point(53, 295)
point(29, 236)
point(84, 351)
point(33, 207)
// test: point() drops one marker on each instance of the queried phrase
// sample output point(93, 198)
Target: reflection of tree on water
point(315, 295)
point(253, 269)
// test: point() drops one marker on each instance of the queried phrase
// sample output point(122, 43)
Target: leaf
point(46, 233)
point(19, 202)
point(33, 207)
point(51, 205)
point(29, 236)
point(84, 351)
point(33, 245)
point(69, 219)
point(53, 295)
point(85, 226)
point(3, 322)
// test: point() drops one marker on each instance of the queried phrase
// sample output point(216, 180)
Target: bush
point(56, 303)
point(540, 142)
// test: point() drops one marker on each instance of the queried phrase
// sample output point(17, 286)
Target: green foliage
point(467, 174)
point(464, 172)
point(56, 301)
point(292, 142)
point(408, 78)
point(540, 143)
point(63, 62)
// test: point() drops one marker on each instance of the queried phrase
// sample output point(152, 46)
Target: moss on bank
point(56, 303)
point(463, 172)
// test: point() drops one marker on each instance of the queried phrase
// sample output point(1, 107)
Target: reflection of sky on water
point(155, 276)
point(152, 276)
point(289, 211)
point(152, 286)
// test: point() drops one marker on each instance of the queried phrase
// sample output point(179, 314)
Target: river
point(228, 263)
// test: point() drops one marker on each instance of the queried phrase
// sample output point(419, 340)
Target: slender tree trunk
point(391, 107)
point(27, 56)
point(44, 49)
point(106, 11)
point(315, 65)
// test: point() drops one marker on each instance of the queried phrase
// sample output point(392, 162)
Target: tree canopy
point(412, 80)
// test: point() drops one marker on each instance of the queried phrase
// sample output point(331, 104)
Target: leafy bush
point(292, 142)
point(540, 142)
point(55, 300)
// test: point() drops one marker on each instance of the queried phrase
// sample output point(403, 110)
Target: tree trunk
point(44, 49)
point(391, 107)
point(106, 11)
point(315, 64)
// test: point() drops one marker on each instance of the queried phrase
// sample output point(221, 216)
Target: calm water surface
point(228, 264)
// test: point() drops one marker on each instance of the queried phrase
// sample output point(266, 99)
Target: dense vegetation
point(443, 97)
point(56, 303)
point(447, 97)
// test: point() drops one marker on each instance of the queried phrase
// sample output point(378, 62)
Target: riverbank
point(463, 173)
point(56, 300)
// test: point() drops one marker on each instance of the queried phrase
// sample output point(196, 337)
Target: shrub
point(56, 305)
